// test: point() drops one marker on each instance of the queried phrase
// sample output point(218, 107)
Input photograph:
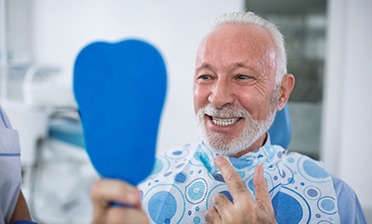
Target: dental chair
point(63, 176)
point(280, 130)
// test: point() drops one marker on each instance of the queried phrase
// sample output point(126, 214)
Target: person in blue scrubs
point(240, 82)
point(13, 206)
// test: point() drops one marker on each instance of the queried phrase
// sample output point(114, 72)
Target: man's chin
point(224, 149)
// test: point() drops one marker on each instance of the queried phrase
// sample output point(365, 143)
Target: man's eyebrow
point(240, 65)
point(204, 66)
point(234, 66)
point(245, 65)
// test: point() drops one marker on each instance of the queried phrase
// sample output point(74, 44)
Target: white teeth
point(224, 122)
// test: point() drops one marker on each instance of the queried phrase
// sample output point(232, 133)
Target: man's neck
point(259, 143)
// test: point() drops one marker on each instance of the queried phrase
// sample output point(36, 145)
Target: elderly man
point(235, 174)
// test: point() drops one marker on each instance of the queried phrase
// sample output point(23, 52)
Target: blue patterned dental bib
point(184, 181)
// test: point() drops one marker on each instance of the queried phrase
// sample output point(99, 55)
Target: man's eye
point(205, 77)
point(243, 77)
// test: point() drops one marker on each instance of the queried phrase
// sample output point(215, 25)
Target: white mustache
point(228, 111)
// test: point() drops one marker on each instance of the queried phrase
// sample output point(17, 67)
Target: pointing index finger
point(232, 179)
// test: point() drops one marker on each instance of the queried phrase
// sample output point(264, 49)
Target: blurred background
point(329, 51)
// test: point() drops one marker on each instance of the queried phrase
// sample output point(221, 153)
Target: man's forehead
point(247, 36)
point(243, 45)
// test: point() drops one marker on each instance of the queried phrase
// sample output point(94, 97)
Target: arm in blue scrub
point(348, 204)
point(13, 207)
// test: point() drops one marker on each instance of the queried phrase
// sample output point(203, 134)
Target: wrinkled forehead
point(243, 42)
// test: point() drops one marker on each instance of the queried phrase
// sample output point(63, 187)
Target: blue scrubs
point(10, 168)
point(348, 204)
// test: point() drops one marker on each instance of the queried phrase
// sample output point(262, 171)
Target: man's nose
point(221, 94)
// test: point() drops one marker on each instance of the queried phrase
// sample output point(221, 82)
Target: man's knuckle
point(218, 197)
point(220, 201)
point(209, 214)
point(96, 191)
point(240, 187)
point(230, 175)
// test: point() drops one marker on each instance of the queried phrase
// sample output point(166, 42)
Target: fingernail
point(261, 171)
point(214, 199)
point(217, 159)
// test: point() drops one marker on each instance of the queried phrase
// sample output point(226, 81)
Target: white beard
point(224, 144)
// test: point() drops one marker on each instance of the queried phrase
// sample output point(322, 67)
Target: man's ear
point(285, 90)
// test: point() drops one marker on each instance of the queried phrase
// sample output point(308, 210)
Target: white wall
point(62, 28)
point(347, 121)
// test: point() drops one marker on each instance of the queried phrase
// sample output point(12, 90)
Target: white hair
point(241, 18)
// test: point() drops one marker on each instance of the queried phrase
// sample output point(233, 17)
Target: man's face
point(234, 88)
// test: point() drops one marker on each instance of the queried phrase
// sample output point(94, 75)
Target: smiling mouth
point(224, 121)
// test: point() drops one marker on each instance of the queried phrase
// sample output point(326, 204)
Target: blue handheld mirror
point(120, 90)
